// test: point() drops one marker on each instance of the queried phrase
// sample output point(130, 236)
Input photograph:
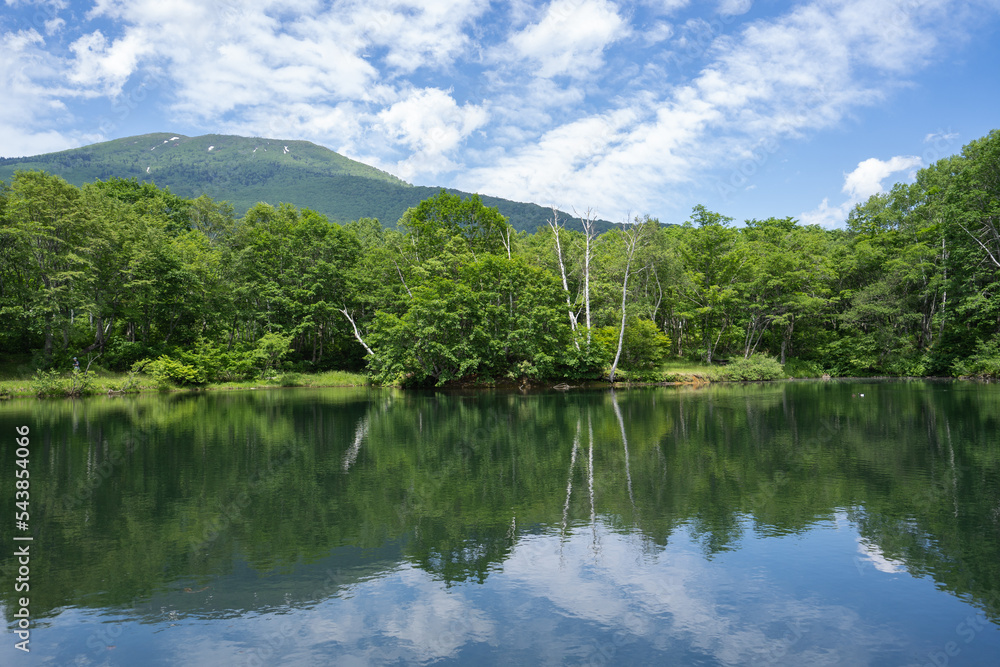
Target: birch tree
point(556, 227)
point(632, 235)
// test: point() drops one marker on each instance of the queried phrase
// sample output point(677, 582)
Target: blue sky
point(752, 109)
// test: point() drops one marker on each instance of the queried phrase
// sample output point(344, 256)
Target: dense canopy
point(118, 272)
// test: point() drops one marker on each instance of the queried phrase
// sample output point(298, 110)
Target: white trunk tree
point(357, 334)
point(556, 227)
point(632, 234)
point(589, 219)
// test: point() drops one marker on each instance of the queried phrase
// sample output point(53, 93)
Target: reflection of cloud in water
point(870, 553)
point(405, 615)
point(556, 601)
point(677, 599)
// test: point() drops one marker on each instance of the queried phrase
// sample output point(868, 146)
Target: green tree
point(433, 222)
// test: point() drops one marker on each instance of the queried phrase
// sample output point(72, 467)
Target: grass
point(756, 368)
point(107, 382)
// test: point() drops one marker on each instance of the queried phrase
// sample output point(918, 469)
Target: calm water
point(795, 523)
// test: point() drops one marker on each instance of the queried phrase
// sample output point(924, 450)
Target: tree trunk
point(786, 340)
point(631, 242)
point(357, 334)
point(554, 225)
point(588, 230)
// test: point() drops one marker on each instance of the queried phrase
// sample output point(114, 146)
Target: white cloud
point(98, 63)
point(775, 79)
point(734, 7)
point(665, 7)
point(418, 34)
point(294, 69)
point(432, 125)
point(34, 95)
point(871, 553)
point(866, 180)
point(660, 31)
point(933, 137)
point(570, 38)
point(581, 101)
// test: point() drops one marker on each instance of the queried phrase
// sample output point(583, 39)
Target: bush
point(51, 383)
point(799, 368)
point(47, 383)
point(290, 380)
point(585, 363)
point(644, 348)
point(757, 367)
point(166, 370)
point(985, 363)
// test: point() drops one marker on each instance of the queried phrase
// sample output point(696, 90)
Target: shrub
point(290, 380)
point(51, 383)
point(644, 348)
point(47, 383)
point(985, 362)
point(166, 370)
point(81, 383)
point(799, 368)
point(757, 367)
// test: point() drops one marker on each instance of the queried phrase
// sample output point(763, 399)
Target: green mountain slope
point(247, 170)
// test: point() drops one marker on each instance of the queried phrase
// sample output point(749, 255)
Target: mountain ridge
point(246, 170)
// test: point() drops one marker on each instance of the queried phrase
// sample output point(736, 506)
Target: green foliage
point(984, 363)
point(644, 349)
point(290, 380)
point(756, 367)
point(800, 368)
point(167, 370)
point(47, 383)
point(127, 271)
point(493, 317)
point(270, 350)
point(246, 170)
point(434, 222)
point(645, 345)
point(52, 383)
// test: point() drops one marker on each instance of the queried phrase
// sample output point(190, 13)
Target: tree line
point(121, 273)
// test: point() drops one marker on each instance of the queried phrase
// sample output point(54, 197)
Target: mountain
point(247, 170)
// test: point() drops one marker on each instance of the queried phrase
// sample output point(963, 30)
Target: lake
point(843, 522)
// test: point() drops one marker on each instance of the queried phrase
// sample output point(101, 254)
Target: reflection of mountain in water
point(261, 495)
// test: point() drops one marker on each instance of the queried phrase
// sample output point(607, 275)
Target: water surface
point(788, 523)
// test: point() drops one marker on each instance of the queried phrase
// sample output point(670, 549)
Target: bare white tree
point(589, 218)
point(556, 227)
point(357, 334)
point(632, 233)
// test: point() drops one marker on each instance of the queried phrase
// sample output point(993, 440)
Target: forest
point(124, 275)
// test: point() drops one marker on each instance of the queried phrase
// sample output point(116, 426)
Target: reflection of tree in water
point(201, 486)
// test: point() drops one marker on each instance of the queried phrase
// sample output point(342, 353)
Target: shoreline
point(108, 386)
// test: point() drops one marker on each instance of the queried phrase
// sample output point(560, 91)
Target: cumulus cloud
point(777, 79)
point(106, 65)
point(867, 179)
point(570, 38)
point(432, 125)
point(585, 102)
point(34, 98)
